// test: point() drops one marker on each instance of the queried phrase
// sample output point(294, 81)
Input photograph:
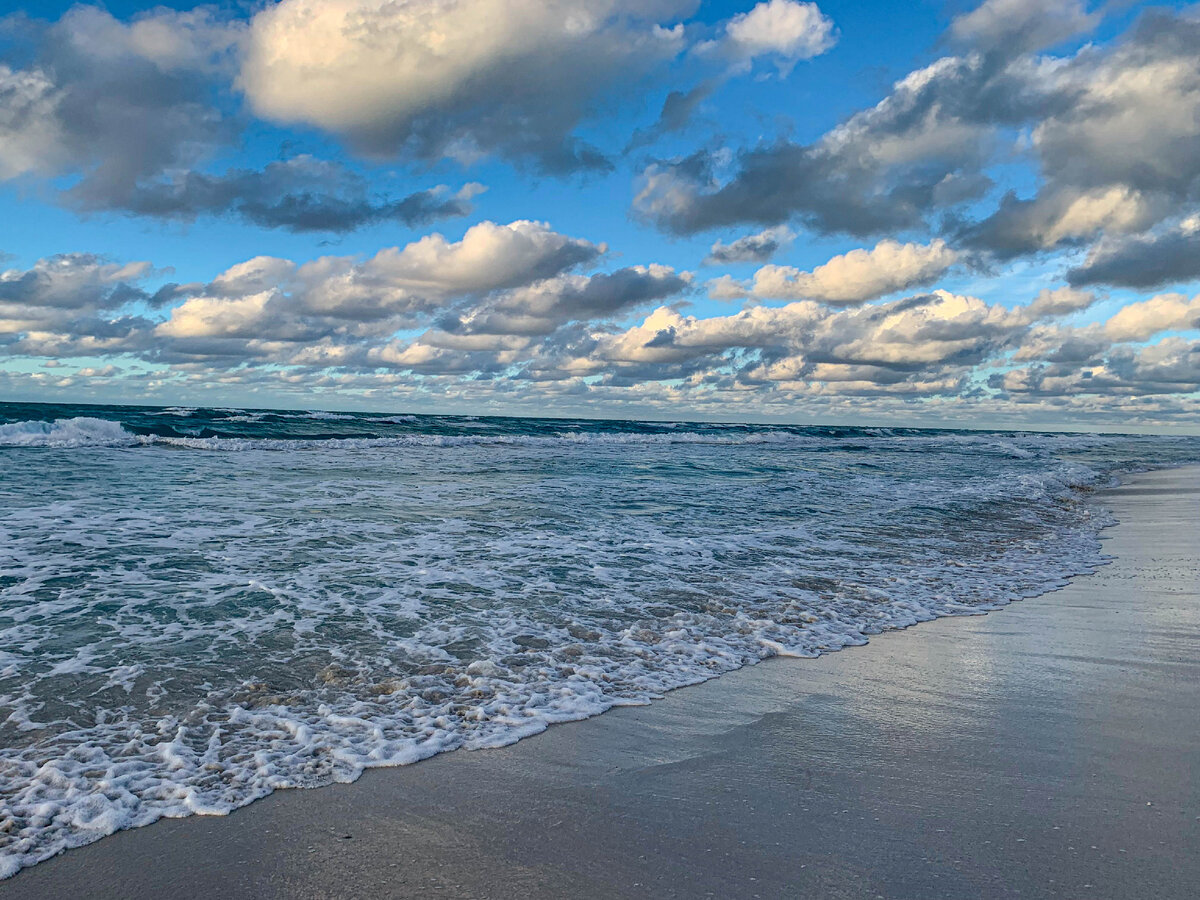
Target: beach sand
point(1051, 749)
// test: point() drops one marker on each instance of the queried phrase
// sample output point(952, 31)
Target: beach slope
point(1046, 750)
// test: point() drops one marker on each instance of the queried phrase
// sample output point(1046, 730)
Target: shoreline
point(572, 810)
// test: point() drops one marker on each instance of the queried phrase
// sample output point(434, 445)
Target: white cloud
point(452, 77)
point(242, 317)
point(331, 324)
point(786, 29)
point(542, 307)
point(859, 275)
point(274, 298)
point(1142, 320)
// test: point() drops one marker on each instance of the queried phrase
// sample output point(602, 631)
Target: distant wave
point(80, 431)
point(89, 432)
point(407, 431)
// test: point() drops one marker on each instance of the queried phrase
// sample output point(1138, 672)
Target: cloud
point(1114, 131)
point(71, 281)
point(541, 308)
point(1071, 347)
point(75, 300)
point(1123, 154)
point(1061, 301)
point(788, 30)
point(274, 299)
point(676, 114)
point(1012, 27)
point(457, 78)
point(860, 275)
point(132, 109)
point(914, 340)
point(1066, 216)
point(1148, 261)
point(300, 194)
point(114, 101)
point(884, 169)
point(29, 135)
point(1170, 367)
point(751, 247)
point(1144, 319)
point(503, 315)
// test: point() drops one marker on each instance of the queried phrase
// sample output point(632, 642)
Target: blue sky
point(930, 213)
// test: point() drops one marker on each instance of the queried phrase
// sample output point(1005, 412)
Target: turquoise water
point(199, 606)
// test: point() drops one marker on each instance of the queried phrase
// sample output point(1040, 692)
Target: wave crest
point(81, 431)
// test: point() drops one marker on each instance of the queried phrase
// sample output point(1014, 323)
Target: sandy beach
point(1046, 750)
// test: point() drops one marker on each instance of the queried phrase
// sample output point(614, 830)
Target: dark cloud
point(1170, 367)
point(1143, 262)
point(884, 170)
point(301, 194)
point(72, 281)
point(676, 115)
point(1011, 27)
point(750, 248)
point(1115, 130)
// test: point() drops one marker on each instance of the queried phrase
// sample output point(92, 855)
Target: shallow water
point(200, 606)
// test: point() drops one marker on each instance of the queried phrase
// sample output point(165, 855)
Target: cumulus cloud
point(751, 247)
point(269, 298)
point(29, 135)
point(1063, 301)
point(925, 340)
point(461, 77)
point(1170, 367)
point(71, 281)
point(860, 275)
point(1144, 319)
point(787, 30)
point(1079, 346)
point(1065, 216)
point(74, 302)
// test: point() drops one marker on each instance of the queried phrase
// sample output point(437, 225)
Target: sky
point(880, 213)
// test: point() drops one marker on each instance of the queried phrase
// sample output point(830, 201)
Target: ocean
point(200, 606)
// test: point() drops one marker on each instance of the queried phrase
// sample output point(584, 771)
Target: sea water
point(199, 606)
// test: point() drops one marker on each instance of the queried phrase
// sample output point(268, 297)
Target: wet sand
point(1051, 749)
